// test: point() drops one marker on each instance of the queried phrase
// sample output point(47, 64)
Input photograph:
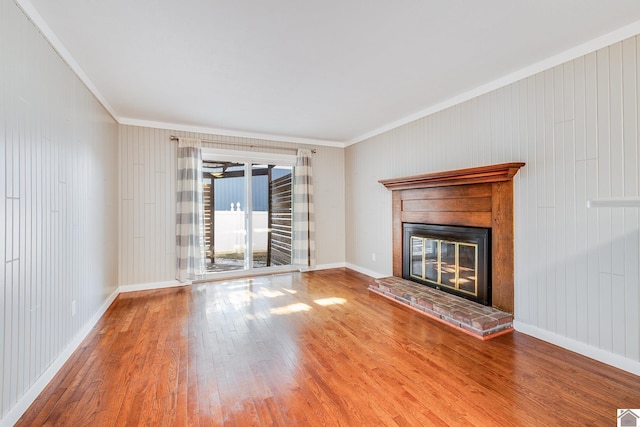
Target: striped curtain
point(304, 246)
point(189, 211)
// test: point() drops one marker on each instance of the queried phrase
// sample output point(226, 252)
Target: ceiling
point(330, 71)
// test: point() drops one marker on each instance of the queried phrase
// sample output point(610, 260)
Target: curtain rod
point(313, 150)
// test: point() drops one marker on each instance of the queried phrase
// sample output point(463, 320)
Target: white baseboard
point(587, 350)
point(366, 271)
point(34, 391)
point(152, 285)
point(329, 266)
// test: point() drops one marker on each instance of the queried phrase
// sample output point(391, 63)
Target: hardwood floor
point(315, 349)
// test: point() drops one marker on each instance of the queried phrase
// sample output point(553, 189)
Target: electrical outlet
point(73, 308)
point(373, 256)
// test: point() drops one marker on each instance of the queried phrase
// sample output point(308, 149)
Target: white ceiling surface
point(331, 70)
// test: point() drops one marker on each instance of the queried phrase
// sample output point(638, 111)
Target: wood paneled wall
point(576, 127)
point(147, 205)
point(58, 219)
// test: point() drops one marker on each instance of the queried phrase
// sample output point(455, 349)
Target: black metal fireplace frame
point(473, 235)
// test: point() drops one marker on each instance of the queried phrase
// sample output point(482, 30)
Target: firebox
point(450, 258)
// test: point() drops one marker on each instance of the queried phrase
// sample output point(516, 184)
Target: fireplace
point(479, 197)
point(449, 258)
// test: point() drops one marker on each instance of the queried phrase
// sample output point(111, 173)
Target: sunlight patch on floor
point(291, 308)
point(270, 293)
point(330, 301)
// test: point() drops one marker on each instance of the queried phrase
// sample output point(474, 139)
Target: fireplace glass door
point(454, 259)
point(445, 263)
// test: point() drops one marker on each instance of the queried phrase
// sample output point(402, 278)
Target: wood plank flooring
point(311, 349)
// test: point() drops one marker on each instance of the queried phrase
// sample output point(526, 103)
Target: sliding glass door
point(248, 211)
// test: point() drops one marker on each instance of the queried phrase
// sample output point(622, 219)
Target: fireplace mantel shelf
point(477, 175)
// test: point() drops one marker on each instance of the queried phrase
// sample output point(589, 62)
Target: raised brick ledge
point(475, 319)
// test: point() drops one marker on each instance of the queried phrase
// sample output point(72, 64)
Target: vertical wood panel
point(149, 239)
point(497, 132)
point(550, 267)
point(605, 307)
point(535, 283)
point(130, 149)
point(569, 198)
point(559, 238)
point(126, 243)
point(618, 315)
point(630, 117)
point(523, 272)
point(506, 120)
point(149, 166)
point(581, 263)
point(632, 280)
point(558, 94)
point(592, 244)
point(631, 245)
point(569, 219)
point(616, 150)
point(569, 90)
point(122, 179)
point(138, 200)
point(538, 105)
point(3, 203)
point(591, 104)
point(617, 157)
point(580, 109)
point(604, 158)
point(548, 140)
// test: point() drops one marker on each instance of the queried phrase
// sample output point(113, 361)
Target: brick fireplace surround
point(474, 197)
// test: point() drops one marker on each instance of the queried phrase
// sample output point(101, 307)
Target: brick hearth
point(475, 319)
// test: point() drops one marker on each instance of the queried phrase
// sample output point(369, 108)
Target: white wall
point(58, 187)
point(576, 127)
point(147, 191)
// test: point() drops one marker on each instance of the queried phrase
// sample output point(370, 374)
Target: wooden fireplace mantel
point(473, 197)
point(481, 174)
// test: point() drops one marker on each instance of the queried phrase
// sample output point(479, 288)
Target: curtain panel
point(190, 249)
point(304, 249)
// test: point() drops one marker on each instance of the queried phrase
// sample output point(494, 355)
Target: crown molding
point(227, 132)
